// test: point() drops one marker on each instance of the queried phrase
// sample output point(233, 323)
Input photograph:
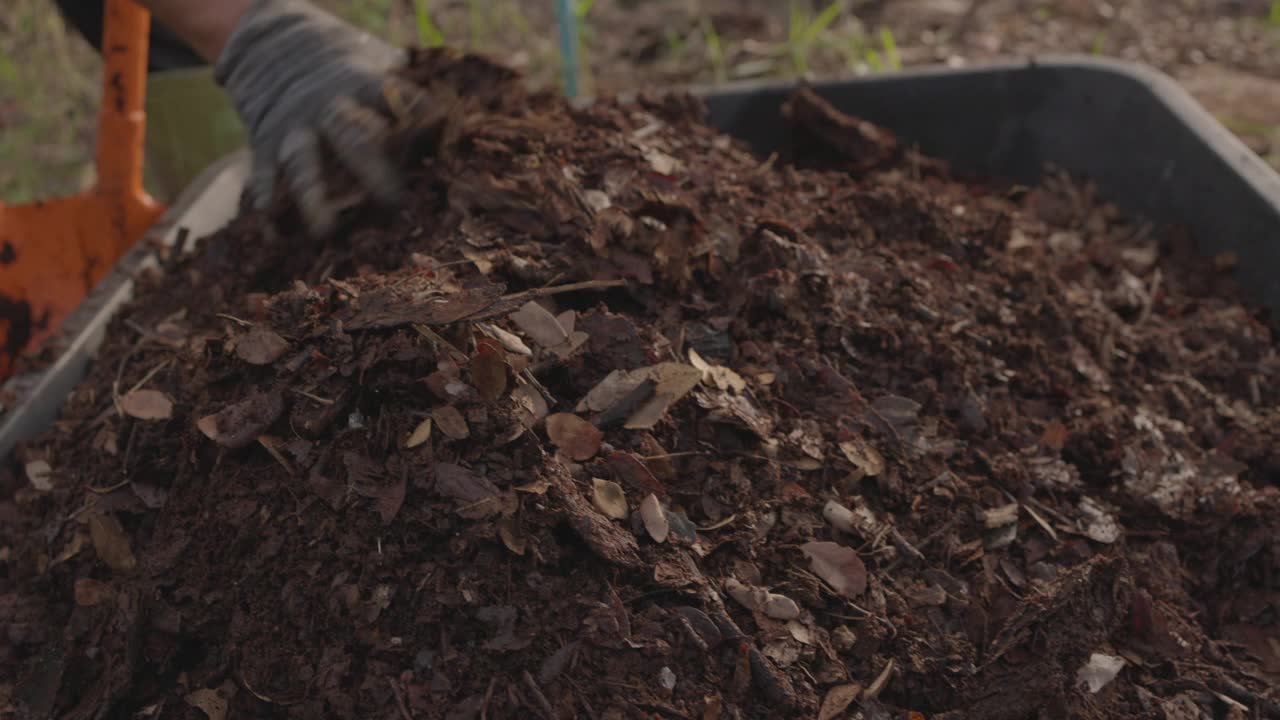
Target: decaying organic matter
point(888, 442)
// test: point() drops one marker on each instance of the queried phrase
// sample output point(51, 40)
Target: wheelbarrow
point(1133, 131)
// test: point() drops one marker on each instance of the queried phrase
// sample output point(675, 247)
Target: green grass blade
point(892, 58)
point(429, 34)
point(824, 20)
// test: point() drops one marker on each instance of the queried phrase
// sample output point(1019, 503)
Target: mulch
point(616, 419)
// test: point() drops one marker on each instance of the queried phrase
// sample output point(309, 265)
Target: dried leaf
point(838, 699)
point(1001, 516)
point(451, 422)
point(510, 341)
point(90, 592)
point(1099, 671)
point(210, 702)
point(863, 456)
point(634, 473)
point(655, 520)
point(261, 346)
point(489, 370)
point(721, 377)
point(40, 474)
point(477, 496)
point(420, 434)
point(539, 324)
point(577, 438)
point(147, 405)
point(839, 566)
point(609, 498)
point(110, 542)
point(462, 484)
point(1054, 435)
point(674, 381)
point(507, 531)
point(240, 424)
point(531, 406)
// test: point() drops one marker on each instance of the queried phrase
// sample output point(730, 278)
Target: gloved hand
point(303, 80)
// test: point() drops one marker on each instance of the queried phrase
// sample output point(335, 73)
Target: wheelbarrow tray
point(1148, 146)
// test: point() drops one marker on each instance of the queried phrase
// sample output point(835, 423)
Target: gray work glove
point(302, 81)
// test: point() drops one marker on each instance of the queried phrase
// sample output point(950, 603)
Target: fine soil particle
point(882, 441)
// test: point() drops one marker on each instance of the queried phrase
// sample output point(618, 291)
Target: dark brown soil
point(908, 447)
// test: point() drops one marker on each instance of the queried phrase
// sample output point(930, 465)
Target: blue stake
point(569, 45)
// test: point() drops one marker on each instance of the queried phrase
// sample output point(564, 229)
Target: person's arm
point(205, 25)
point(302, 80)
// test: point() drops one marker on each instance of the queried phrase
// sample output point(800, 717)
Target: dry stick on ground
point(507, 303)
point(404, 709)
point(537, 695)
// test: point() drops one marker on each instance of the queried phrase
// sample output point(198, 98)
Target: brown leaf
point(239, 425)
point(838, 699)
point(451, 422)
point(507, 531)
point(477, 496)
point(631, 471)
point(863, 456)
point(147, 405)
point(531, 406)
point(579, 439)
point(261, 346)
point(674, 381)
point(420, 434)
point(1054, 436)
point(111, 543)
point(721, 377)
point(609, 498)
point(655, 519)
point(210, 702)
point(40, 473)
point(462, 484)
point(90, 592)
point(489, 370)
point(535, 321)
point(838, 565)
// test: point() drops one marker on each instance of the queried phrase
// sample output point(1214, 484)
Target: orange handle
point(122, 122)
point(53, 252)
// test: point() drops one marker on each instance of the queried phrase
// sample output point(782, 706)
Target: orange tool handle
point(53, 252)
point(122, 119)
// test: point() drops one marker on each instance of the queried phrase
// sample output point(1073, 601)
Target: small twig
point(234, 319)
point(1241, 694)
point(309, 396)
point(905, 547)
point(504, 304)
point(1149, 302)
point(488, 696)
point(149, 375)
point(404, 709)
point(669, 456)
point(106, 490)
point(537, 695)
point(1044, 524)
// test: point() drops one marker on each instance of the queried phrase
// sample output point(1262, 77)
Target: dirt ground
point(617, 420)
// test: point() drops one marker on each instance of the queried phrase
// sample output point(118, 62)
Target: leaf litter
point(969, 464)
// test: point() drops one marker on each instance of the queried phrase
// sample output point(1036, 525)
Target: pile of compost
point(617, 419)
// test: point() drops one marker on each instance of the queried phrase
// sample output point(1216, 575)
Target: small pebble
point(667, 679)
point(843, 638)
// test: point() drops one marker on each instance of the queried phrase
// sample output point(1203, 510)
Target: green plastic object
point(191, 124)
